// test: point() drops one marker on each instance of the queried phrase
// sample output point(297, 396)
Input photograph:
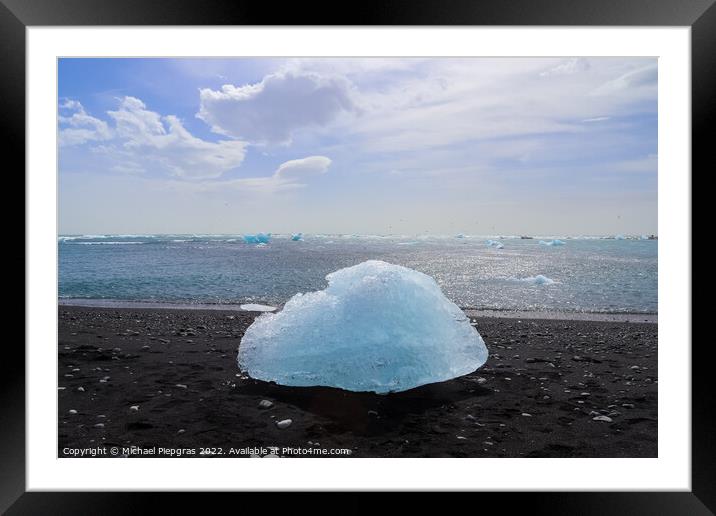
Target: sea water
point(587, 274)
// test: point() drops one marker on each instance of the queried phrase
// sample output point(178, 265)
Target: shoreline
point(627, 317)
point(168, 379)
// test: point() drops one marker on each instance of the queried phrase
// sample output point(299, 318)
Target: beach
point(156, 381)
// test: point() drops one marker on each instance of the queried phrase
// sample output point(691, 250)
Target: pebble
point(181, 386)
point(525, 414)
point(72, 411)
point(134, 408)
point(628, 405)
point(81, 389)
point(99, 425)
point(606, 419)
point(265, 404)
point(285, 423)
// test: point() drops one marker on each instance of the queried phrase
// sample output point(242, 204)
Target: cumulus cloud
point(272, 110)
point(77, 127)
point(145, 139)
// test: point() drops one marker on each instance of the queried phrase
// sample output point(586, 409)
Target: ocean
point(583, 275)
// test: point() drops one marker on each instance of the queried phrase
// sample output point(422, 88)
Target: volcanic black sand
point(165, 381)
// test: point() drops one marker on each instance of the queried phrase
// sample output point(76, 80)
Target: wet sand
point(163, 382)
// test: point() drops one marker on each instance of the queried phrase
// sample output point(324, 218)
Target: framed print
point(421, 248)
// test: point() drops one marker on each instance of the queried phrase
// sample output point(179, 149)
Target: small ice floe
point(297, 237)
point(180, 386)
point(264, 404)
point(81, 389)
point(72, 411)
point(538, 280)
point(555, 242)
point(495, 244)
point(134, 408)
point(284, 423)
point(606, 419)
point(251, 307)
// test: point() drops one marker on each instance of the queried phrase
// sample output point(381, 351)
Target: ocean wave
point(107, 243)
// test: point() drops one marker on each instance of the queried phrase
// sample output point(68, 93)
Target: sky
point(483, 146)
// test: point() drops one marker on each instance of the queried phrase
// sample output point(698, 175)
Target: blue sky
point(335, 145)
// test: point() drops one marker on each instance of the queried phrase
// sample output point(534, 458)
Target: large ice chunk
point(551, 242)
point(297, 237)
point(377, 327)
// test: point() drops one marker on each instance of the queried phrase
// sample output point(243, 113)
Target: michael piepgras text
point(211, 451)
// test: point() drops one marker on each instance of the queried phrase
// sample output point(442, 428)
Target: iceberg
point(258, 238)
point(619, 237)
point(377, 327)
point(551, 242)
point(459, 235)
point(495, 244)
point(538, 280)
point(297, 237)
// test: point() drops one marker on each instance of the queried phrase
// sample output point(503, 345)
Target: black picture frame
point(16, 15)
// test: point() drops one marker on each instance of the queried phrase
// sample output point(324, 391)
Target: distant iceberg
point(459, 235)
point(554, 242)
point(538, 280)
point(495, 244)
point(258, 238)
point(297, 237)
point(376, 327)
point(619, 237)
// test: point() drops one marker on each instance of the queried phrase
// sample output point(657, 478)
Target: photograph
point(357, 257)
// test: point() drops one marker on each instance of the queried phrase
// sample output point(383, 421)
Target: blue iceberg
point(554, 242)
point(376, 327)
point(258, 238)
point(297, 237)
point(495, 244)
point(538, 280)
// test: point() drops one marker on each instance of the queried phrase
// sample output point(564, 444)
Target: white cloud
point(462, 101)
point(642, 78)
point(272, 110)
point(144, 139)
point(568, 67)
point(303, 167)
point(77, 127)
point(290, 175)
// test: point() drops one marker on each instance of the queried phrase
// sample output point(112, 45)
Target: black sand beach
point(166, 381)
